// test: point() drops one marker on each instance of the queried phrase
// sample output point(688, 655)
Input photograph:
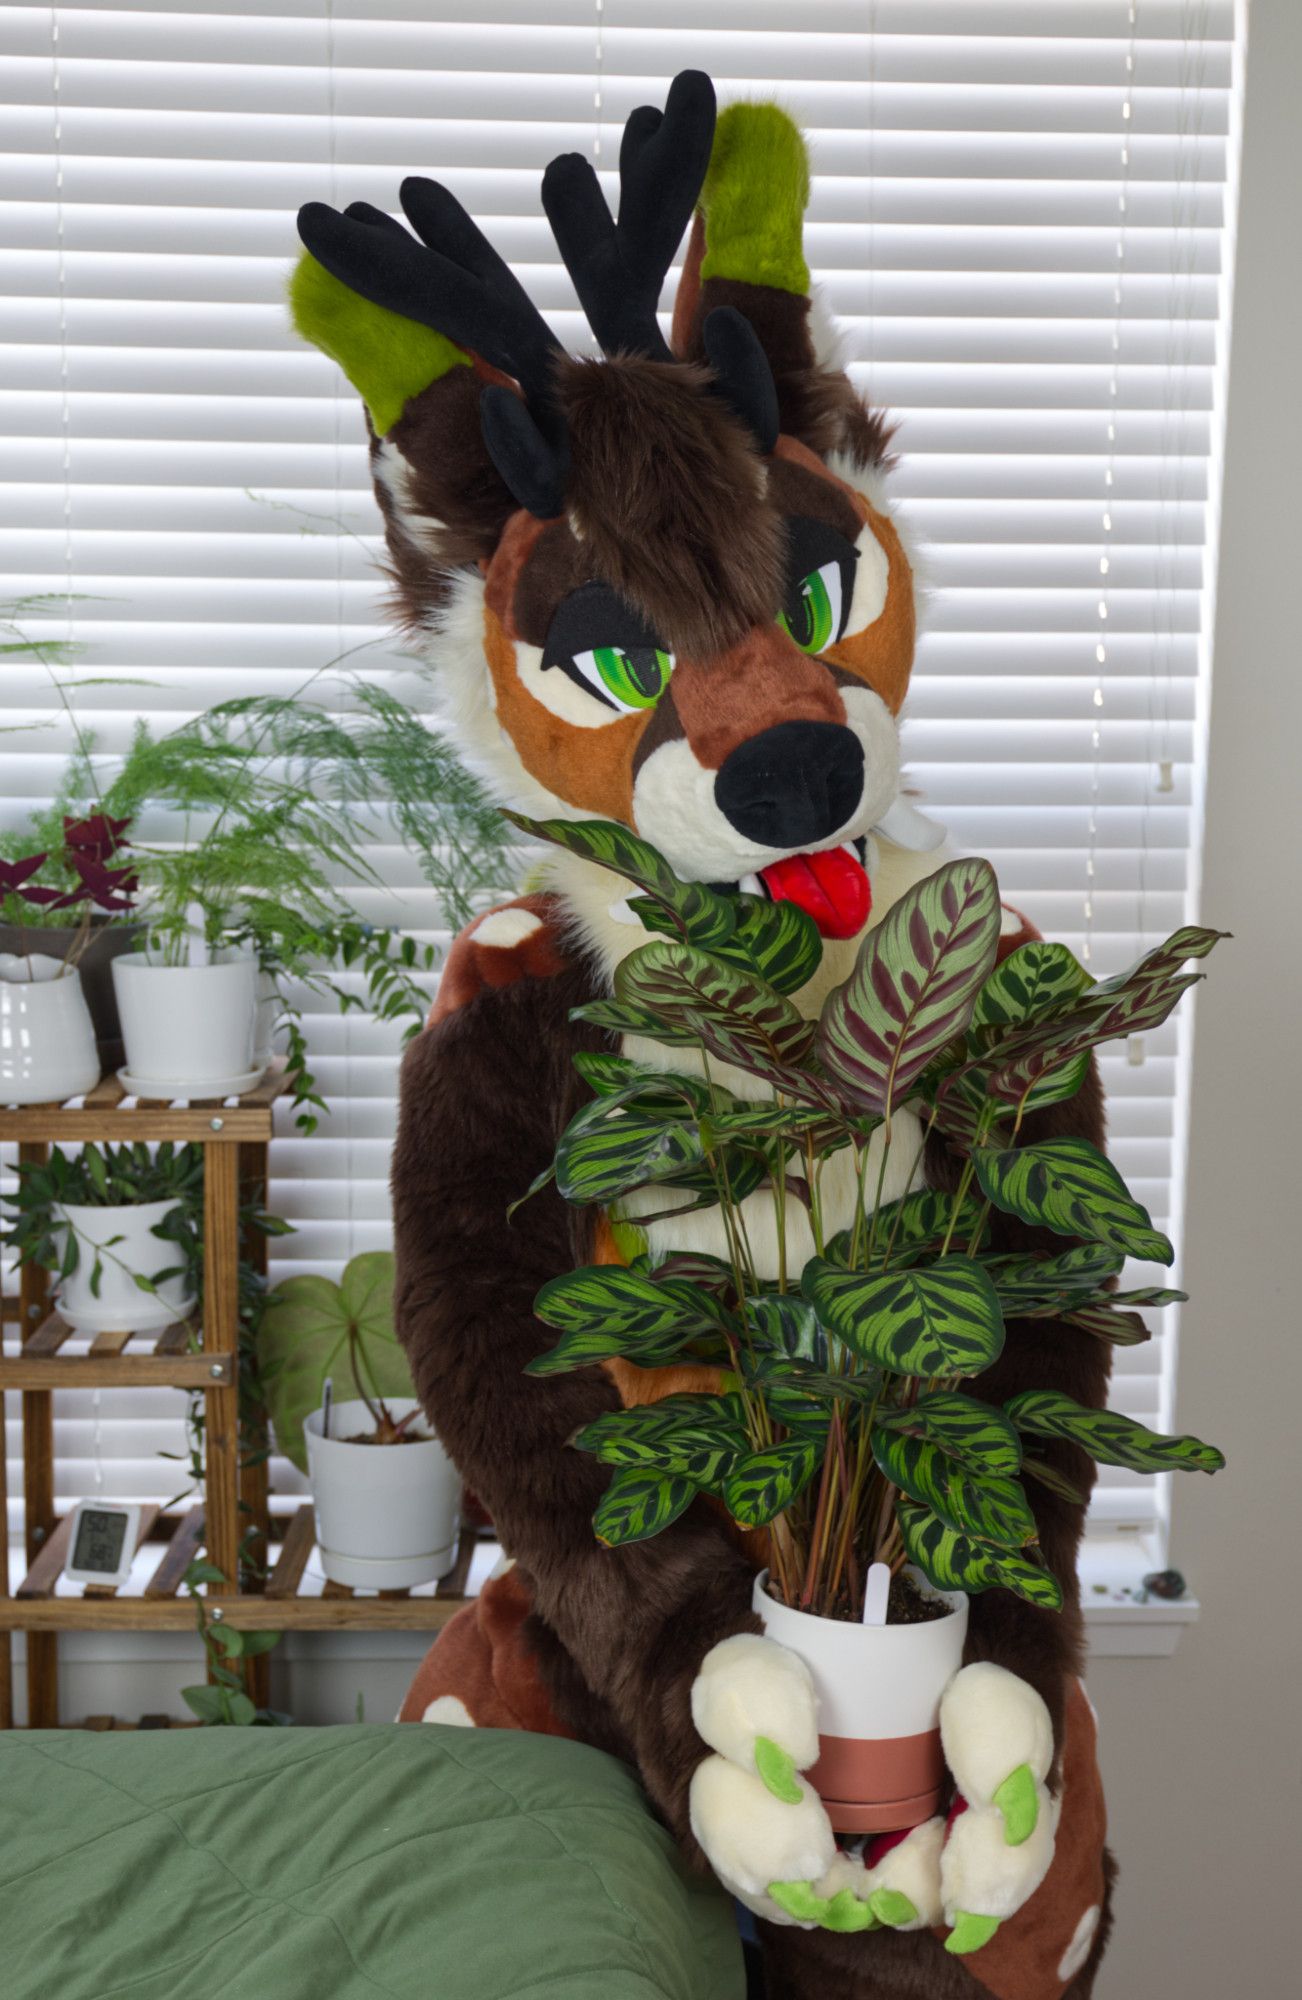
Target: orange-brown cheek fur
point(588, 768)
point(882, 654)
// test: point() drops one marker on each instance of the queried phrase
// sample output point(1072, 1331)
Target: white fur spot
point(990, 1722)
point(872, 575)
point(748, 1687)
point(1010, 923)
point(451, 1709)
point(504, 929)
point(1081, 1939)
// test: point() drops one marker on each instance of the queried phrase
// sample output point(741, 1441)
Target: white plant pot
point(47, 1040)
point(121, 1305)
point(188, 1029)
point(386, 1515)
point(880, 1766)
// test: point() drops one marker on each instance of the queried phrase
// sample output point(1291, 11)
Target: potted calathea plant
point(385, 1490)
point(119, 1226)
point(841, 1420)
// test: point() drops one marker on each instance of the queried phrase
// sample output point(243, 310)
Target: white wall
point(1203, 1752)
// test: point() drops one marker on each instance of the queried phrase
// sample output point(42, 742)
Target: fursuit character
point(665, 587)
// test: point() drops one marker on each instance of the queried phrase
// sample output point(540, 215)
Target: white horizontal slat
point(1041, 314)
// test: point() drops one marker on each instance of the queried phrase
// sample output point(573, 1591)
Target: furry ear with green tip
point(747, 251)
point(388, 359)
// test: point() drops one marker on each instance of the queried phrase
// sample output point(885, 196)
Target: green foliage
point(1068, 1185)
point(1108, 1437)
point(843, 1416)
point(311, 1328)
point(221, 1701)
point(108, 1176)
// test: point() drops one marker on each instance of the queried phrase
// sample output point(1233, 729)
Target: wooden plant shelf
point(172, 1359)
point(282, 1607)
point(201, 1355)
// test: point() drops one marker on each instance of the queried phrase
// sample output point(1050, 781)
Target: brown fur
point(453, 485)
point(666, 492)
point(817, 405)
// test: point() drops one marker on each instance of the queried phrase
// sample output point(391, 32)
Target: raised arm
point(483, 1097)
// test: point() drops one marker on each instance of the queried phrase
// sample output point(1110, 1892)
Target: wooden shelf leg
point(221, 1336)
point(38, 1478)
point(255, 1506)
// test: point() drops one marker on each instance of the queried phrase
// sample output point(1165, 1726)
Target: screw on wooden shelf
point(216, 1123)
point(216, 1614)
point(38, 1534)
point(33, 1312)
point(217, 1371)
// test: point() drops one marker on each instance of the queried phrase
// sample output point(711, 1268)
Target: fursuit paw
point(756, 1818)
point(998, 1742)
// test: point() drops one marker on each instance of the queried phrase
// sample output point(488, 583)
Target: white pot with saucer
point(188, 1029)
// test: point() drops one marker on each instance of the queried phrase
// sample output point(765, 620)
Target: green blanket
point(332, 1864)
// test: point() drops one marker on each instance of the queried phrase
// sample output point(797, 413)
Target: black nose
point(793, 784)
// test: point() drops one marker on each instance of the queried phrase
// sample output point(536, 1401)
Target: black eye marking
point(607, 649)
point(820, 583)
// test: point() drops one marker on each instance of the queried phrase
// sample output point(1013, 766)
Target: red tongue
point(833, 888)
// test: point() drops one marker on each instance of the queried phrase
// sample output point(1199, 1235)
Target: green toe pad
point(970, 1932)
point(892, 1907)
point(1018, 1802)
point(841, 1912)
point(778, 1770)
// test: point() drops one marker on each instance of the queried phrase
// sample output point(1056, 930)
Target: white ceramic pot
point(880, 1765)
point(188, 1029)
point(47, 1040)
point(386, 1515)
point(121, 1305)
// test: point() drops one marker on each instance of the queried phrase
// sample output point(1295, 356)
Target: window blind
point(1021, 217)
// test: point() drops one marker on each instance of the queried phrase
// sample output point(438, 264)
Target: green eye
point(812, 613)
point(630, 678)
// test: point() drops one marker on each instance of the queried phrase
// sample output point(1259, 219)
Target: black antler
point(454, 281)
point(618, 268)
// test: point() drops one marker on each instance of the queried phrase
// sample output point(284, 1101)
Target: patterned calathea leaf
point(1108, 1437)
point(607, 1309)
point(954, 1561)
point(798, 1123)
point(924, 1218)
point(1067, 1185)
point(786, 1324)
point(630, 1082)
point(639, 1503)
point(739, 1019)
point(1123, 1329)
point(607, 1149)
point(994, 1508)
point(1049, 1475)
point(790, 1403)
point(619, 1020)
point(1029, 981)
point(778, 941)
point(977, 1434)
point(1128, 1004)
point(698, 1437)
point(696, 911)
point(1039, 1287)
point(942, 1319)
point(913, 986)
point(765, 1483)
point(696, 1266)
